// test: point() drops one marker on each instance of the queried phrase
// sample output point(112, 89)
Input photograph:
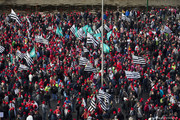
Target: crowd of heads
point(56, 76)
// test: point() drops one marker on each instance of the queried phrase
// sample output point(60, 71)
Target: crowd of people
point(55, 77)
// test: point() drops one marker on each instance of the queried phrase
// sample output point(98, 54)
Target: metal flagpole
point(102, 69)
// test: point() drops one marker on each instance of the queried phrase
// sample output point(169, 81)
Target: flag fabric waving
point(30, 26)
point(109, 34)
point(59, 31)
point(90, 39)
point(1, 49)
point(90, 68)
point(106, 48)
point(73, 29)
point(33, 53)
point(107, 28)
point(19, 54)
point(40, 39)
point(132, 75)
point(28, 59)
point(103, 99)
point(92, 104)
point(85, 49)
point(138, 60)
point(13, 16)
point(83, 61)
point(23, 67)
point(99, 30)
point(98, 36)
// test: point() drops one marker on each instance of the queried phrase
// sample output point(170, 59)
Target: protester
point(29, 89)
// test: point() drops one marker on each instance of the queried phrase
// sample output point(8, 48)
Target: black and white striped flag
point(73, 29)
point(99, 30)
point(23, 67)
point(85, 49)
point(80, 33)
point(90, 68)
point(19, 54)
point(132, 75)
point(13, 16)
point(92, 104)
point(107, 28)
point(30, 26)
point(83, 61)
point(40, 39)
point(103, 99)
point(1, 49)
point(28, 59)
point(138, 60)
point(90, 39)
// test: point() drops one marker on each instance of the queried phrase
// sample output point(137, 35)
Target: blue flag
point(59, 31)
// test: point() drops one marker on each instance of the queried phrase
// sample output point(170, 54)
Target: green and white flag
point(90, 30)
point(33, 53)
point(106, 48)
point(98, 36)
point(85, 28)
point(59, 31)
point(109, 34)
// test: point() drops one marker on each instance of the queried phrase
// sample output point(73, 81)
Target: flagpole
point(102, 59)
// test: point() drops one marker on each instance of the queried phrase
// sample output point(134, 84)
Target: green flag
point(90, 30)
point(106, 48)
point(59, 31)
point(109, 34)
point(33, 53)
point(97, 36)
point(85, 28)
point(11, 57)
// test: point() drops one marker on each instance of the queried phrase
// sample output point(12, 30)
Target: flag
point(138, 60)
point(85, 28)
point(28, 59)
point(90, 30)
point(109, 34)
point(11, 58)
point(79, 33)
point(23, 67)
point(85, 49)
point(83, 102)
point(83, 61)
point(99, 30)
point(92, 106)
point(90, 39)
point(106, 27)
point(59, 31)
point(124, 17)
point(106, 48)
point(2, 49)
point(13, 16)
point(73, 29)
point(103, 99)
point(30, 26)
point(33, 52)
point(40, 39)
point(98, 36)
point(90, 68)
point(132, 75)
point(19, 54)
point(167, 29)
